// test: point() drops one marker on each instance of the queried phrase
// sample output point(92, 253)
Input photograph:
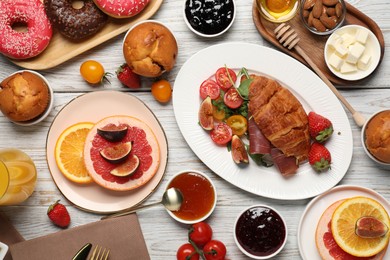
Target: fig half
point(113, 133)
point(239, 152)
point(370, 227)
point(205, 114)
point(127, 168)
point(117, 153)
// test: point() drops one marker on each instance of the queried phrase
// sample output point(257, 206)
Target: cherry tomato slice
point(209, 88)
point(214, 250)
point(185, 251)
point(221, 133)
point(222, 78)
point(200, 233)
point(232, 99)
point(218, 114)
point(238, 124)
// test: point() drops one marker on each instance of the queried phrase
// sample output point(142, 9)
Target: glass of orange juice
point(18, 176)
point(278, 11)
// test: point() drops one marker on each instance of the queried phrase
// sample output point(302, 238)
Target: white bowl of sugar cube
point(352, 52)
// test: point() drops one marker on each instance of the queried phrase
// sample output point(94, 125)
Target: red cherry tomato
point(222, 78)
point(209, 88)
point(232, 99)
point(221, 133)
point(200, 233)
point(187, 252)
point(214, 250)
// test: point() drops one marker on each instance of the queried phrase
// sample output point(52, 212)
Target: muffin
point(150, 49)
point(377, 136)
point(23, 96)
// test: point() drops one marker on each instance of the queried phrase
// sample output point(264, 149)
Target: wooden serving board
point(61, 49)
point(313, 44)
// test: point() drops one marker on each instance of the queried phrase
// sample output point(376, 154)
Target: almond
point(308, 4)
point(317, 9)
point(306, 13)
point(339, 10)
point(318, 25)
point(310, 19)
point(328, 22)
point(330, 2)
point(331, 11)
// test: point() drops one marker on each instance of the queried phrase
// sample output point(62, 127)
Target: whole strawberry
point(128, 77)
point(319, 157)
point(58, 214)
point(320, 128)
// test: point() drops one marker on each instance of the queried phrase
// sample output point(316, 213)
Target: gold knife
point(83, 252)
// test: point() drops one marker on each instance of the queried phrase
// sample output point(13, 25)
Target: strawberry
point(319, 157)
point(320, 128)
point(128, 77)
point(58, 214)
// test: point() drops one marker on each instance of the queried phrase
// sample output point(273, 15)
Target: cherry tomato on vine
point(200, 233)
point(161, 90)
point(209, 88)
point(187, 252)
point(232, 98)
point(214, 250)
point(223, 79)
point(93, 72)
point(238, 124)
point(221, 133)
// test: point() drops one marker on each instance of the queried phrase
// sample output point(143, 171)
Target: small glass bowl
point(382, 164)
point(187, 201)
point(277, 17)
point(303, 15)
point(207, 35)
point(258, 211)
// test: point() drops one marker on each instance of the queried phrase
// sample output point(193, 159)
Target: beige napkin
point(8, 234)
point(122, 235)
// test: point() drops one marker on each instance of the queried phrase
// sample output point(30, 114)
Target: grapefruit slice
point(327, 246)
point(144, 145)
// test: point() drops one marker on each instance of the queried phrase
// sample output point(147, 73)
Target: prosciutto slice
point(286, 165)
point(258, 143)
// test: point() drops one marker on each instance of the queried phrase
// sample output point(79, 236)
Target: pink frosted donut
point(23, 45)
point(121, 8)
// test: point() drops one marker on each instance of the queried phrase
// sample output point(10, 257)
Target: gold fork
point(100, 253)
point(289, 39)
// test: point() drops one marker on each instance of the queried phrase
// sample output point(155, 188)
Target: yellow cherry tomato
point(238, 124)
point(218, 114)
point(92, 72)
point(162, 91)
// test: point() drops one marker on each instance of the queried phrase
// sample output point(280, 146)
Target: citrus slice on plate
point(69, 151)
point(344, 223)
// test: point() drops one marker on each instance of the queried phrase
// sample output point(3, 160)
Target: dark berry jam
point(260, 231)
point(209, 16)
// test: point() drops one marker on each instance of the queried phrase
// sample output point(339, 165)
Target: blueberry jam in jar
point(209, 16)
point(260, 231)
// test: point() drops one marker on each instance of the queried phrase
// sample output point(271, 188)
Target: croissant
point(280, 117)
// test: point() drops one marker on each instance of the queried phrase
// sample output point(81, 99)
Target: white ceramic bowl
point(202, 218)
point(363, 140)
point(3, 250)
point(372, 48)
point(204, 34)
point(274, 213)
point(48, 108)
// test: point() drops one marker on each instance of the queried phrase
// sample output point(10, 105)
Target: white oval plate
point(93, 107)
point(313, 212)
point(306, 86)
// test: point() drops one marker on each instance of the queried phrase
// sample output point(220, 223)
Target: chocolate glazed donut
point(75, 24)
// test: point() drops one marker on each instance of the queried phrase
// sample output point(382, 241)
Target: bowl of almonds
point(322, 17)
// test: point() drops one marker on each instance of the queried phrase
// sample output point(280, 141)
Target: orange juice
point(278, 10)
point(18, 176)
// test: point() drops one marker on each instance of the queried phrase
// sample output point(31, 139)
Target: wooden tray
point(61, 49)
point(314, 44)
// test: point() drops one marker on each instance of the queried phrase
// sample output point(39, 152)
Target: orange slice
point(69, 152)
point(343, 226)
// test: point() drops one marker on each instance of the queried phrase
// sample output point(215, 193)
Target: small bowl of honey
point(199, 196)
point(278, 11)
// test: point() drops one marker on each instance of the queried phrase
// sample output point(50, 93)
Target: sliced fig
point(239, 153)
point(205, 114)
point(127, 168)
point(117, 153)
point(113, 133)
point(370, 227)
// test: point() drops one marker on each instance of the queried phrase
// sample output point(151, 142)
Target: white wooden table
point(162, 234)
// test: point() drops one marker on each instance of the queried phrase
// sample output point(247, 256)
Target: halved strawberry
point(320, 128)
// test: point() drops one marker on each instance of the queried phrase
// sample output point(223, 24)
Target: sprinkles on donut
point(19, 44)
point(121, 8)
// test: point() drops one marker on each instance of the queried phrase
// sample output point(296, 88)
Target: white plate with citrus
point(69, 130)
point(314, 211)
